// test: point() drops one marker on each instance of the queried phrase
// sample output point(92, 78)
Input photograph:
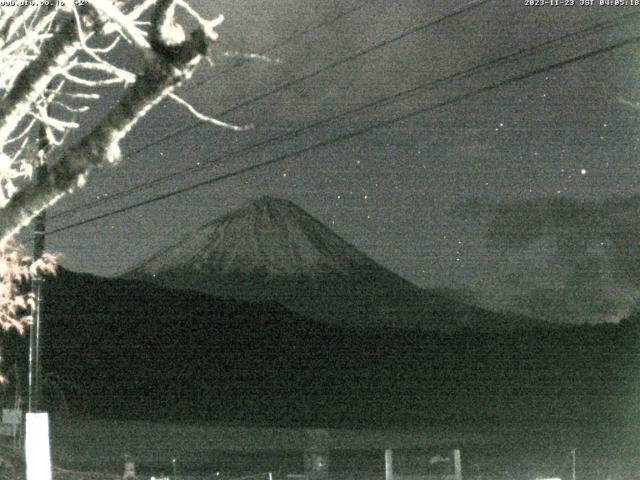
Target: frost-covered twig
point(71, 109)
point(207, 26)
point(140, 9)
point(118, 73)
point(206, 118)
point(59, 125)
point(89, 83)
point(251, 56)
point(79, 95)
point(24, 132)
point(125, 23)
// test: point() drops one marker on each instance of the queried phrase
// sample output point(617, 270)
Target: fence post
point(388, 464)
point(37, 451)
point(316, 454)
point(457, 464)
point(129, 468)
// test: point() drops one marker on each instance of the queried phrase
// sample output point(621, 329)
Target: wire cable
point(290, 83)
point(515, 56)
point(294, 35)
point(358, 132)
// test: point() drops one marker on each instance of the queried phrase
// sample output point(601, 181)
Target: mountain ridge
point(130, 349)
point(271, 249)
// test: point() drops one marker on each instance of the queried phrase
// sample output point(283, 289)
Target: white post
point(129, 468)
point(37, 452)
point(457, 464)
point(388, 464)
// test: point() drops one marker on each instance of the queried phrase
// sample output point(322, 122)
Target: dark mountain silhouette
point(273, 250)
point(132, 350)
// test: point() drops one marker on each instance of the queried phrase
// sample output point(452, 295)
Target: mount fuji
point(272, 250)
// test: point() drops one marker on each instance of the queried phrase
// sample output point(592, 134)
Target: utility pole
point(35, 374)
point(37, 448)
point(573, 464)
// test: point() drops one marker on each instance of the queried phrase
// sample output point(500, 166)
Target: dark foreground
point(200, 451)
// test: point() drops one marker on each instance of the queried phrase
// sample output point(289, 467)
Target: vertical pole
point(37, 449)
point(129, 468)
point(35, 380)
point(573, 464)
point(457, 464)
point(388, 464)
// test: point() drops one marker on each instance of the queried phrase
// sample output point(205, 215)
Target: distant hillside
point(273, 250)
point(126, 349)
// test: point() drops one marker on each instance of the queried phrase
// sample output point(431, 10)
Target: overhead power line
point(360, 53)
point(294, 35)
point(511, 57)
point(290, 83)
point(358, 132)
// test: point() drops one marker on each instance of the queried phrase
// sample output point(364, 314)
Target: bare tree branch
point(167, 65)
point(32, 82)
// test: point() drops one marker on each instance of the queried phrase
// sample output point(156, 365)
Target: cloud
point(562, 259)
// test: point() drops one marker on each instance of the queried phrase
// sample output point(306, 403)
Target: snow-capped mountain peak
point(269, 236)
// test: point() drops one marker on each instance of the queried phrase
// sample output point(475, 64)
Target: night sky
point(522, 196)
